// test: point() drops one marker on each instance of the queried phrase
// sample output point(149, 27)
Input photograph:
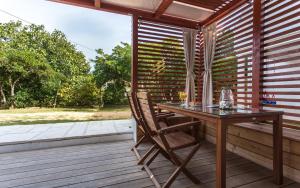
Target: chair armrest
point(179, 126)
point(164, 115)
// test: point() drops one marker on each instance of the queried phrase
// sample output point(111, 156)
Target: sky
point(89, 29)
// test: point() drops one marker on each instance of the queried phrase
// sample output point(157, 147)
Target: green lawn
point(39, 110)
point(36, 115)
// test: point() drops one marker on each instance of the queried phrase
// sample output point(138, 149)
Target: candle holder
point(226, 98)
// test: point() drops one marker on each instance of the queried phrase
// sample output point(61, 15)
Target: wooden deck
point(114, 165)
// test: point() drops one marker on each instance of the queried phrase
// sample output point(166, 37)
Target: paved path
point(19, 133)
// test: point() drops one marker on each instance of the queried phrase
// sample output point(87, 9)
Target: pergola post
point(134, 51)
point(257, 53)
point(134, 66)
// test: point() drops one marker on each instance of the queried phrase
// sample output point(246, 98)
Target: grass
point(26, 116)
point(40, 110)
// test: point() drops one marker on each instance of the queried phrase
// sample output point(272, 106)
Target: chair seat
point(178, 119)
point(163, 124)
point(176, 140)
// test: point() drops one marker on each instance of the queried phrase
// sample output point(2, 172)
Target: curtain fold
point(209, 35)
point(189, 44)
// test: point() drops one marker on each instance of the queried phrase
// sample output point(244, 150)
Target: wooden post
point(277, 150)
point(134, 65)
point(134, 51)
point(257, 55)
point(221, 154)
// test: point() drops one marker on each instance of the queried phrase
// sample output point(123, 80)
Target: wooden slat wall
point(161, 65)
point(280, 69)
point(233, 56)
point(281, 58)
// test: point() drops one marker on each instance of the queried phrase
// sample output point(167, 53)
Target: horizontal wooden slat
point(164, 43)
point(161, 65)
point(143, 23)
point(233, 57)
point(281, 46)
point(143, 46)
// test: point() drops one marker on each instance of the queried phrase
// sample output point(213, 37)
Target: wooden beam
point(257, 53)
point(162, 8)
point(134, 52)
point(131, 11)
point(98, 3)
point(224, 11)
point(202, 4)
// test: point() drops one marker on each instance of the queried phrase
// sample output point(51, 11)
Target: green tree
point(112, 74)
point(18, 65)
point(27, 53)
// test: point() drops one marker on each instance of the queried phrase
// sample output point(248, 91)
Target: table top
point(216, 112)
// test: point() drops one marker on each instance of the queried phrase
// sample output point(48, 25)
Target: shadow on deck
point(114, 165)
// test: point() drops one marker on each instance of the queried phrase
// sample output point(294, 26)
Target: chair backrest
point(133, 107)
point(137, 112)
point(148, 116)
point(147, 111)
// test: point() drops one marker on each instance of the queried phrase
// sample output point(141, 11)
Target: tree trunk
point(55, 100)
point(4, 101)
point(12, 96)
point(12, 92)
point(101, 103)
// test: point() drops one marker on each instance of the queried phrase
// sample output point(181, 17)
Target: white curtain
point(209, 35)
point(189, 43)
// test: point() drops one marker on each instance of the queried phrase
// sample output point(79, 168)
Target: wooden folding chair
point(142, 128)
point(167, 140)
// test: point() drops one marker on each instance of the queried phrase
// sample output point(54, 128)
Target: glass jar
point(226, 98)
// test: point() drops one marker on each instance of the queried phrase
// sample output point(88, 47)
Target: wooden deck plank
point(268, 183)
point(64, 163)
point(159, 163)
point(5, 158)
point(294, 185)
point(163, 174)
point(89, 164)
point(114, 165)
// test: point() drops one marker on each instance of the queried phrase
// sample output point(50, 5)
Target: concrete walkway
point(30, 133)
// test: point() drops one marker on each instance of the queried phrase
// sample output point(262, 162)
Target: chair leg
point(134, 148)
point(141, 161)
point(181, 167)
point(139, 142)
point(152, 177)
point(138, 156)
point(185, 171)
point(190, 176)
point(172, 177)
point(151, 159)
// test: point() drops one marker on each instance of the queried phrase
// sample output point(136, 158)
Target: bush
point(114, 93)
point(81, 91)
point(22, 99)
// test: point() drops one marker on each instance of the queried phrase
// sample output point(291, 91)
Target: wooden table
point(222, 118)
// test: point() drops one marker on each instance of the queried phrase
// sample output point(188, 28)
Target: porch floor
point(112, 164)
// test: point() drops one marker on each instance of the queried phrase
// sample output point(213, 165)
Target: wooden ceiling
point(184, 13)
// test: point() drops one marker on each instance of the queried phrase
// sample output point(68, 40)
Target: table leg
point(221, 154)
point(277, 150)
